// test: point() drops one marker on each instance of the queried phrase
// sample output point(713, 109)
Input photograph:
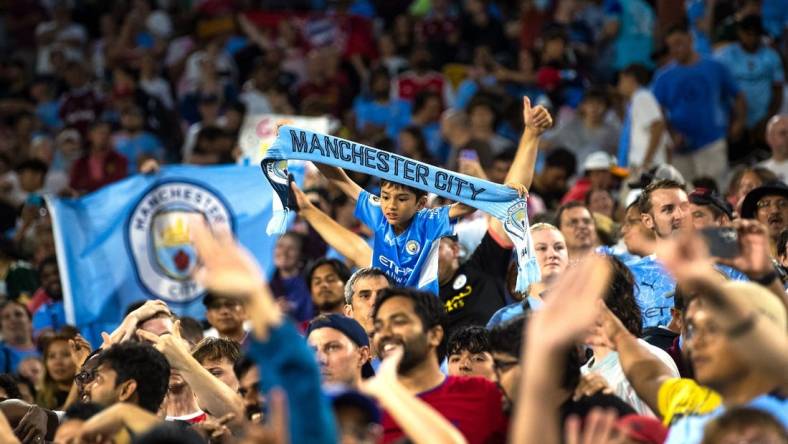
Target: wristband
point(767, 279)
point(743, 327)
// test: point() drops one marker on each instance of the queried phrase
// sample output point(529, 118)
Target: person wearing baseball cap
point(708, 209)
point(342, 348)
point(768, 204)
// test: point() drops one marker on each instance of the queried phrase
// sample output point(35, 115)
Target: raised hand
point(685, 256)
point(228, 268)
point(79, 349)
point(590, 384)
point(172, 346)
point(302, 201)
point(606, 330)
point(386, 374)
point(599, 427)
point(572, 303)
point(754, 260)
point(536, 118)
point(522, 191)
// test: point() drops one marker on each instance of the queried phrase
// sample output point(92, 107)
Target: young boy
point(406, 232)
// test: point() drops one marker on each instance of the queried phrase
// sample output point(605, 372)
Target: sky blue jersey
point(410, 259)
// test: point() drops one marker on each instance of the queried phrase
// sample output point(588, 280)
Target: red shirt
point(473, 404)
point(410, 83)
point(113, 169)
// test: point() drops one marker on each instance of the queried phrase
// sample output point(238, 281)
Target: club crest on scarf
point(515, 220)
point(160, 242)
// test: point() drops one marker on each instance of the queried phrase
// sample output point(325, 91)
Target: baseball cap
point(707, 197)
point(348, 326)
point(761, 299)
point(598, 160)
point(750, 204)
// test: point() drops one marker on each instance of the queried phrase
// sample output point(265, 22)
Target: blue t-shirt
point(51, 315)
point(696, 100)
point(394, 115)
point(689, 429)
point(655, 287)
point(410, 259)
point(633, 42)
point(132, 148)
point(10, 357)
point(755, 74)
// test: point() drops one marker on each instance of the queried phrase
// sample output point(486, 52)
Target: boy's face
point(399, 204)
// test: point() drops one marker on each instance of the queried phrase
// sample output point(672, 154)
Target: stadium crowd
point(650, 138)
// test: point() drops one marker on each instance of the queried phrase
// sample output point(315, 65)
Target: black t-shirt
point(584, 405)
point(478, 288)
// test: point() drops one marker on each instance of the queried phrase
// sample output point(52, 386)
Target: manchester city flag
point(130, 240)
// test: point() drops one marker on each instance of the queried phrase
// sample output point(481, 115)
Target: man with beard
point(326, 279)
point(248, 376)
point(768, 204)
point(130, 372)
point(577, 225)
point(412, 320)
point(47, 303)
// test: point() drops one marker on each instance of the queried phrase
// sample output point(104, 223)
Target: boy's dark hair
point(562, 158)
point(507, 338)
point(33, 165)
point(568, 206)
point(428, 308)
point(398, 186)
point(662, 184)
point(598, 94)
point(741, 418)
point(680, 27)
point(421, 99)
point(620, 297)
point(8, 382)
point(170, 432)
point(473, 338)
point(640, 73)
point(242, 366)
point(82, 410)
point(191, 329)
point(145, 365)
point(213, 349)
point(238, 107)
point(505, 155)
point(8, 302)
point(339, 268)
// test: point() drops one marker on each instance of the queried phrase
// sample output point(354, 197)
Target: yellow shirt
point(679, 397)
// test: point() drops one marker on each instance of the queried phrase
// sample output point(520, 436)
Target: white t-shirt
point(610, 369)
point(645, 111)
point(778, 168)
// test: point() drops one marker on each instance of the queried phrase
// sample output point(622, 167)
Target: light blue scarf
point(499, 201)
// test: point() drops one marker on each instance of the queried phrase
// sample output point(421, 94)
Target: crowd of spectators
point(669, 123)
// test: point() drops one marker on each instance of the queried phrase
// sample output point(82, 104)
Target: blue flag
point(130, 240)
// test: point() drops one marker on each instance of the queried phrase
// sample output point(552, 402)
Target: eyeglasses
point(781, 204)
point(85, 377)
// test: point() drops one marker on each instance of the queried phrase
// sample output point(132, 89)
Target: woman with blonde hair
point(553, 258)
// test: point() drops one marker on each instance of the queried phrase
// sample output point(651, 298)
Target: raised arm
point(421, 423)
point(213, 395)
point(340, 179)
point(348, 244)
point(537, 120)
point(644, 371)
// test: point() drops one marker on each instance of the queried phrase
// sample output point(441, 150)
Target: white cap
point(598, 160)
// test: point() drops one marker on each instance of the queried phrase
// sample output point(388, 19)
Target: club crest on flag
point(159, 239)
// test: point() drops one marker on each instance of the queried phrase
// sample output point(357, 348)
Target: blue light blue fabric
point(49, 316)
point(682, 90)
point(755, 73)
point(407, 258)
point(285, 361)
point(132, 148)
point(394, 115)
point(497, 200)
point(107, 246)
point(624, 138)
point(633, 43)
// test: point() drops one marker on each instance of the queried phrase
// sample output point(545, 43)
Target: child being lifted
point(405, 231)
